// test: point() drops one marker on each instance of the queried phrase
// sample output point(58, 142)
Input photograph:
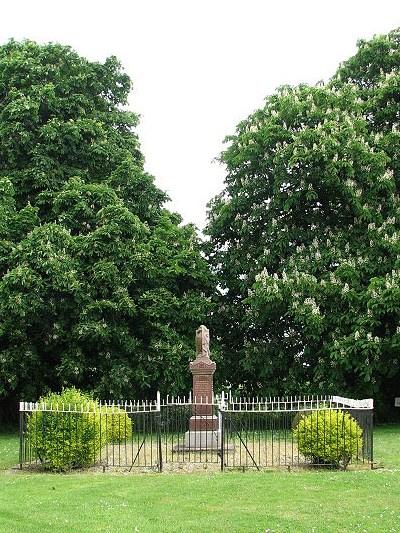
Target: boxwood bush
point(329, 437)
point(115, 424)
point(63, 439)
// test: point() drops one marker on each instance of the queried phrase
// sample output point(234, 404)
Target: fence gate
point(190, 433)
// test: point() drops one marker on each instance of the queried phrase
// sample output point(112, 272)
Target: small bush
point(329, 437)
point(62, 439)
point(116, 426)
point(302, 412)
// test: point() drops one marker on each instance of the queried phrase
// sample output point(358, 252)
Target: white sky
point(201, 66)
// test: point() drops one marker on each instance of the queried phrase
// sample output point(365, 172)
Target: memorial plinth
point(203, 431)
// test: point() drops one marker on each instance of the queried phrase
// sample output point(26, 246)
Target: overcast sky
point(200, 66)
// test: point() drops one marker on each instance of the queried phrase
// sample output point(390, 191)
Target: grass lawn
point(278, 501)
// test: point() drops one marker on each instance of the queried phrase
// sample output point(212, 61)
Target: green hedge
point(116, 424)
point(329, 437)
point(64, 439)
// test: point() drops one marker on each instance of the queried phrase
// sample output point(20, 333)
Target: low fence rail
point(175, 433)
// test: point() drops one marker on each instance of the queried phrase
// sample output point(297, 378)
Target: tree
point(100, 285)
point(305, 236)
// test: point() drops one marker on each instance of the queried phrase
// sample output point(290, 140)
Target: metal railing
point(175, 433)
point(102, 434)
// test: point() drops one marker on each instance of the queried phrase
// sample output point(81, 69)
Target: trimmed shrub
point(329, 437)
point(116, 425)
point(62, 439)
point(302, 412)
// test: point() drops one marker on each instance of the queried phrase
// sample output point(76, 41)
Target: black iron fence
point(107, 434)
point(293, 432)
point(182, 433)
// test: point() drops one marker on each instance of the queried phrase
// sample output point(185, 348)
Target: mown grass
point(9, 449)
point(301, 501)
point(387, 446)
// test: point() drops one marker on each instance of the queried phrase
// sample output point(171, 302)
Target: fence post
point(160, 464)
point(372, 437)
point(222, 424)
point(21, 432)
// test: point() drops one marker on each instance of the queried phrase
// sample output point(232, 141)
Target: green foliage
point(329, 437)
point(65, 440)
point(116, 425)
point(100, 286)
point(305, 236)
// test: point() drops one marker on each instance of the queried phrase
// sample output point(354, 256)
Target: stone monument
point(203, 431)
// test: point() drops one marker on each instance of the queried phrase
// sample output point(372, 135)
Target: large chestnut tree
point(305, 236)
